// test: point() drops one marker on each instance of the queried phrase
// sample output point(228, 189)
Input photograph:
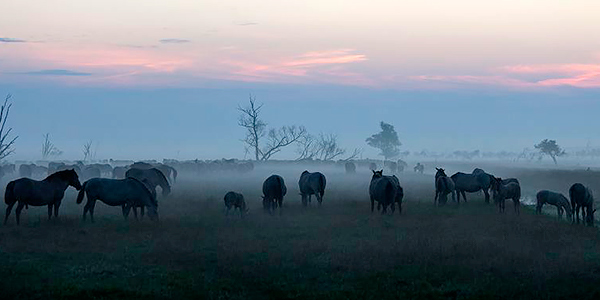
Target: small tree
point(48, 148)
point(386, 141)
point(88, 153)
point(550, 148)
point(6, 143)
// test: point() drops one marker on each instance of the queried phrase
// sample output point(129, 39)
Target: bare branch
point(278, 139)
point(6, 148)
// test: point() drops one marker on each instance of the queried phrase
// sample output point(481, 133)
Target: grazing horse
point(126, 193)
point(90, 172)
point(273, 191)
point(444, 185)
point(502, 192)
point(384, 190)
point(235, 200)
point(556, 199)
point(582, 197)
point(26, 170)
point(350, 168)
point(471, 183)
point(49, 191)
point(392, 166)
point(419, 168)
point(154, 178)
point(401, 165)
point(119, 172)
point(312, 183)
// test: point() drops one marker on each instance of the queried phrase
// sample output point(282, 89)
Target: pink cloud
point(315, 66)
point(527, 76)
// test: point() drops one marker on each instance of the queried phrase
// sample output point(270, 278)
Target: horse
point(155, 178)
point(273, 191)
point(471, 183)
point(26, 170)
point(312, 183)
point(582, 197)
point(90, 172)
point(119, 172)
point(392, 166)
point(384, 190)
point(444, 185)
point(126, 193)
point(372, 166)
point(235, 200)
point(401, 165)
point(507, 191)
point(419, 168)
point(556, 199)
point(350, 167)
point(49, 191)
point(504, 181)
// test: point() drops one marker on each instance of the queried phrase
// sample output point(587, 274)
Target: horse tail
point(322, 183)
point(390, 192)
point(174, 174)
point(9, 194)
point(81, 193)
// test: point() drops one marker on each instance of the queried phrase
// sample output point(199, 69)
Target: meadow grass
point(338, 251)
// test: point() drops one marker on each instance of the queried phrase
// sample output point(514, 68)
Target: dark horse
point(511, 190)
point(49, 191)
point(384, 190)
point(273, 191)
point(471, 183)
point(154, 177)
point(126, 193)
point(581, 197)
point(311, 183)
point(444, 185)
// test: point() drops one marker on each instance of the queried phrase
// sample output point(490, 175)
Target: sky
point(163, 79)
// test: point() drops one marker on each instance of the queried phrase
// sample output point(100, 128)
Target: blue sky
point(162, 79)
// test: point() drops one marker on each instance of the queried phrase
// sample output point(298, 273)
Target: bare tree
point(87, 151)
point(255, 127)
point(6, 144)
point(323, 147)
point(48, 148)
point(256, 130)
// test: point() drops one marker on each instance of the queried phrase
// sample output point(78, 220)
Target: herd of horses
point(134, 186)
point(581, 197)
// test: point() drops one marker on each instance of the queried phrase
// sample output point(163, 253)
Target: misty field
point(338, 251)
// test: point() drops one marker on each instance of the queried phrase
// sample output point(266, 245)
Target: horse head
point(377, 174)
point(73, 179)
point(589, 218)
point(440, 172)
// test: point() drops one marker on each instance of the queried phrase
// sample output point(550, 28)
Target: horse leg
point(435, 199)
point(141, 212)
point(559, 212)
point(393, 206)
point(280, 202)
point(487, 196)
point(50, 211)
point(56, 206)
point(126, 208)
point(517, 204)
point(18, 212)
point(135, 212)
point(464, 196)
point(577, 207)
point(8, 209)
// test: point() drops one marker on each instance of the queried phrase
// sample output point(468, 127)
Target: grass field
point(337, 251)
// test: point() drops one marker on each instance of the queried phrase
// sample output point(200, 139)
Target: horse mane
point(145, 188)
point(160, 173)
point(58, 174)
